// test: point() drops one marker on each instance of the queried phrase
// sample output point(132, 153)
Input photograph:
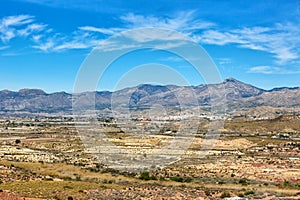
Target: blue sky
point(43, 43)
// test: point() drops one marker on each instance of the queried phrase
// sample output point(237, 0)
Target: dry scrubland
point(256, 159)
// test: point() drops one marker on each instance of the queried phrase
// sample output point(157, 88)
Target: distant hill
point(235, 94)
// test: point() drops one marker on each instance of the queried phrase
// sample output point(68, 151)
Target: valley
point(45, 158)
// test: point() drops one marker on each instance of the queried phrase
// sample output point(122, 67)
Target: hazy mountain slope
point(235, 94)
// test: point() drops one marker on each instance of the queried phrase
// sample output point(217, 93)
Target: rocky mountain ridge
point(235, 94)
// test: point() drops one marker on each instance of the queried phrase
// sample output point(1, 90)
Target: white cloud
point(32, 28)
point(36, 38)
point(74, 45)
point(173, 59)
point(183, 21)
point(107, 31)
point(4, 47)
point(144, 35)
point(170, 45)
point(6, 35)
point(16, 20)
point(281, 40)
point(224, 61)
point(45, 46)
point(60, 42)
point(90, 36)
point(108, 46)
point(219, 38)
point(18, 26)
point(271, 70)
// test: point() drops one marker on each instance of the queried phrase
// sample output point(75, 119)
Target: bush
point(241, 195)
point(68, 187)
point(225, 194)
point(145, 176)
point(78, 178)
point(181, 180)
point(243, 181)
point(177, 179)
point(249, 192)
point(286, 183)
point(18, 141)
point(207, 193)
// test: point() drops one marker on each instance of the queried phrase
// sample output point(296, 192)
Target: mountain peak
point(231, 80)
point(152, 88)
point(6, 91)
point(27, 91)
point(236, 89)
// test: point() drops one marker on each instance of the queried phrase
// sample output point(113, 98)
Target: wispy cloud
point(281, 40)
point(91, 36)
point(16, 20)
point(59, 42)
point(172, 59)
point(271, 70)
point(107, 31)
point(30, 29)
point(4, 47)
point(45, 46)
point(224, 61)
point(9, 26)
point(183, 22)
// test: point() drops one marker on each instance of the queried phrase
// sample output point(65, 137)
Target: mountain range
point(235, 94)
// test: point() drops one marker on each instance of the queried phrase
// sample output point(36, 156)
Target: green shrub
point(243, 182)
point(207, 193)
point(225, 194)
point(146, 176)
point(241, 195)
point(68, 187)
point(77, 178)
point(286, 183)
point(180, 179)
point(249, 192)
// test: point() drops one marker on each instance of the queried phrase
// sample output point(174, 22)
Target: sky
point(44, 44)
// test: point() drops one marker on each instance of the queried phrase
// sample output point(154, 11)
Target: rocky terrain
point(45, 158)
point(48, 152)
point(232, 94)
